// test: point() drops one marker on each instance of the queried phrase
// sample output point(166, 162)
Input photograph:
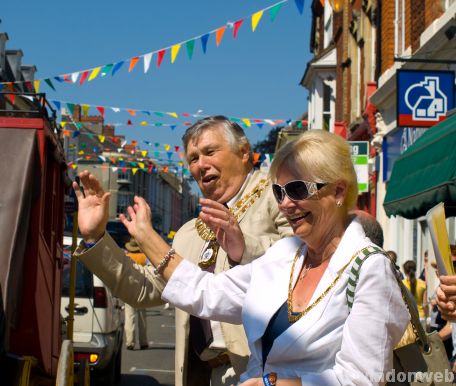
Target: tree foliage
point(268, 145)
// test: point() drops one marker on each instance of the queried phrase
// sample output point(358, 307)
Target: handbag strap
point(361, 257)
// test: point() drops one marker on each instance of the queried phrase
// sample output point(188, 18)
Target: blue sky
point(255, 76)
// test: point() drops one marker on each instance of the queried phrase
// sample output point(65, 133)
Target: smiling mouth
point(298, 218)
point(208, 179)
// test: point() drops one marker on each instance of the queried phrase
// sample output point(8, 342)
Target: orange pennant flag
point(132, 112)
point(133, 63)
point(219, 35)
point(66, 133)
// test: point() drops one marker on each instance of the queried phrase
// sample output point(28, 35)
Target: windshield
point(84, 278)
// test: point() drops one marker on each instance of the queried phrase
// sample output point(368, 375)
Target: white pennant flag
point(74, 77)
point(123, 143)
point(114, 168)
point(147, 59)
point(115, 109)
point(270, 121)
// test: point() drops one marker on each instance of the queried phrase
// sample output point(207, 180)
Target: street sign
point(424, 97)
point(360, 158)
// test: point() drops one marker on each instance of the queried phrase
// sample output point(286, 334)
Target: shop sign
point(360, 158)
point(424, 97)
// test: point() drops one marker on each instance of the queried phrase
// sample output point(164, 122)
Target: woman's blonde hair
point(322, 157)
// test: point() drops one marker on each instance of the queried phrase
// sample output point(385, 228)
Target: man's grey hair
point(234, 133)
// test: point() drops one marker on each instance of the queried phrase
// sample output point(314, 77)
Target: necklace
point(295, 316)
point(237, 210)
point(305, 271)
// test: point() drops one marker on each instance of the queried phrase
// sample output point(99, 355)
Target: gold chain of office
point(239, 208)
point(295, 316)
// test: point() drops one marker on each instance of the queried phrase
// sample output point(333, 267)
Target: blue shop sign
point(424, 97)
point(395, 144)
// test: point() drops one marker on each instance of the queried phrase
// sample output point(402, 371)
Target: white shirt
point(327, 346)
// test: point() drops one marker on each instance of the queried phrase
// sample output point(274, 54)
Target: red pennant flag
point(149, 168)
point(129, 122)
point(84, 76)
point(11, 97)
point(67, 78)
point(124, 169)
point(236, 26)
point(101, 109)
point(185, 114)
point(160, 56)
point(134, 142)
point(176, 148)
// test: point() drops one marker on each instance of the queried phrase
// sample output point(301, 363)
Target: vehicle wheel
point(105, 377)
point(118, 367)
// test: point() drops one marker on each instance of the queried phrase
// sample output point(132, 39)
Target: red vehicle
point(33, 182)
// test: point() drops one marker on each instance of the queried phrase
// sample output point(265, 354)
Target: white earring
point(339, 204)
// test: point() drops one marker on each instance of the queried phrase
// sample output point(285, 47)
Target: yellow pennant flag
point(246, 121)
point(74, 166)
point(101, 138)
point(167, 147)
point(143, 123)
point(81, 152)
point(172, 114)
point(85, 110)
point(94, 73)
point(63, 124)
point(144, 153)
point(256, 17)
point(36, 83)
point(134, 170)
point(174, 51)
point(141, 165)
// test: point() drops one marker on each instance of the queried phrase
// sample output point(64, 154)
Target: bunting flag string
point(245, 122)
point(101, 71)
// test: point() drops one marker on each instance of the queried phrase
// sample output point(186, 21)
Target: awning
point(425, 174)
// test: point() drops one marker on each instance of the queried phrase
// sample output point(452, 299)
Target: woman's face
point(312, 220)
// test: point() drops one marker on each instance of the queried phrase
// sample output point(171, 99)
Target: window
point(124, 200)
point(326, 106)
point(328, 26)
point(124, 175)
point(399, 43)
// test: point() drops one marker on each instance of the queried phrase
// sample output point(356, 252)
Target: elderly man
point(219, 158)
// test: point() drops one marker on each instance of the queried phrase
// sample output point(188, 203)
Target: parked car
point(98, 322)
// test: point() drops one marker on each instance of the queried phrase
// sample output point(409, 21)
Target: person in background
point(393, 257)
point(293, 300)
point(371, 226)
point(425, 261)
point(220, 160)
point(132, 314)
point(418, 289)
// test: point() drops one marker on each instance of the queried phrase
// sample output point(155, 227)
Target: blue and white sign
point(395, 144)
point(424, 97)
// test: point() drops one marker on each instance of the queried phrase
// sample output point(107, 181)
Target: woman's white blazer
point(327, 346)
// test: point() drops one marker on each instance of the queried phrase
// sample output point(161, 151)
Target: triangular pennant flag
point(133, 63)
point(172, 114)
point(101, 109)
point(141, 165)
point(85, 110)
point(169, 154)
point(117, 67)
point(176, 148)
point(172, 127)
point(57, 105)
point(236, 26)
point(36, 83)
point(166, 146)
point(256, 157)
point(160, 57)
point(270, 157)
point(83, 145)
point(84, 76)
point(102, 158)
point(49, 83)
point(94, 73)
point(58, 79)
point(74, 166)
point(74, 77)
point(70, 107)
point(150, 167)
point(165, 169)
point(156, 154)
point(67, 78)
point(219, 35)
point(299, 124)
point(174, 51)
point(256, 17)
point(300, 5)
point(101, 138)
point(115, 109)
point(66, 133)
point(274, 10)
point(144, 153)
point(204, 40)
point(156, 144)
point(106, 69)
point(190, 46)
point(11, 97)
point(159, 113)
point(247, 122)
point(132, 112)
point(260, 125)
point(147, 58)
point(134, 170)
point(129, 123)
point(181, 155)
point(114, 168)
point(143, 123)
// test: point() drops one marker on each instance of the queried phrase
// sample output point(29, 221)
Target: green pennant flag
point(160, 114)
point(82, 145)
point(90, 135)
point(49, 83)
point(70, 107)
point(190, 46)
point(299, 124)
point(274, 11)
point(235, 119)
point(78, 125)
point(106, 69)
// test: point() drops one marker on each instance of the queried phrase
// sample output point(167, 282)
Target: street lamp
point(336, 5)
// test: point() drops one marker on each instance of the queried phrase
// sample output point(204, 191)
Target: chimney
point(28, 72)
point(3, 39)
point(14, 59)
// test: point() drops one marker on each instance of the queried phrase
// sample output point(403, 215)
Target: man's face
point(218, 169)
